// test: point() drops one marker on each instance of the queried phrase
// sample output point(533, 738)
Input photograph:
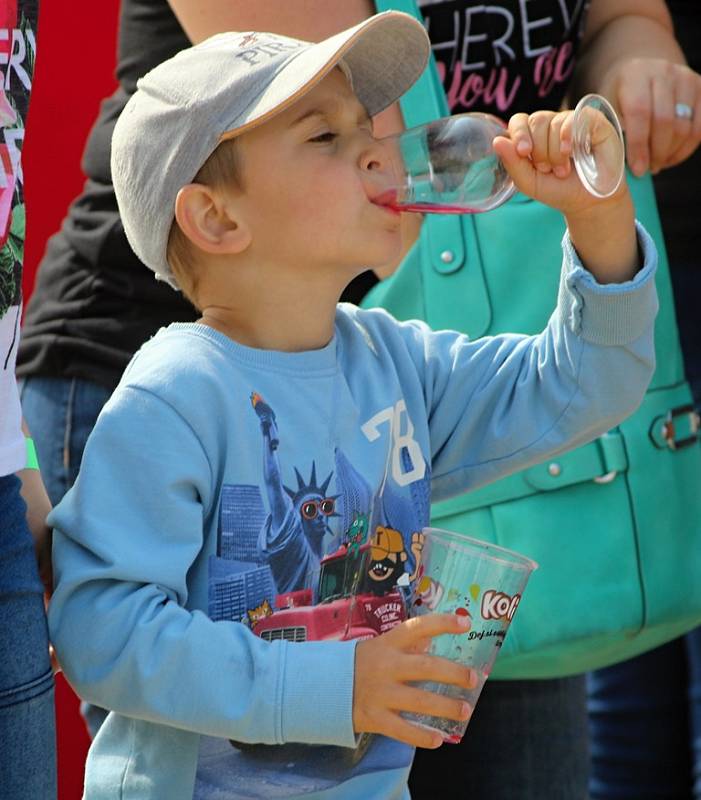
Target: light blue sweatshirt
point(218, 476)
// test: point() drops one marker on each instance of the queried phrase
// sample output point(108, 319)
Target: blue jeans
point(645, 721)
point(27, 724)
point(61, 413)
point(527, 740)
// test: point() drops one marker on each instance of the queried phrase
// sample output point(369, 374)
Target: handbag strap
point(450, 258)
point(425, 100)
point(600, 461)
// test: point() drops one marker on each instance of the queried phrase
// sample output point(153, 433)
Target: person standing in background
point(95, 303)
point(27, 728)
point(645, 714)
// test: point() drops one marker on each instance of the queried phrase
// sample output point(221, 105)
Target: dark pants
point(645, 714)
point(645, 718)
point(527, 740)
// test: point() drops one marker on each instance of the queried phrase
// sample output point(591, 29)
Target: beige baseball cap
point(228, 84)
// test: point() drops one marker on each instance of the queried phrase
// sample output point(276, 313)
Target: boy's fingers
point(539, 124)
point(521, 170)
point(420, 701)
point(520, 134)
point(558, 151)
point(567, 132)
point(420, 646)
point(409, 633)
point(438, 670)
point(396, 727)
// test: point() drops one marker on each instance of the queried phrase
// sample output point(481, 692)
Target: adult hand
point(38, 507)
point(659, 103)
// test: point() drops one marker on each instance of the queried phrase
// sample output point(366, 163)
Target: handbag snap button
point(447, 256)
point(554, 469)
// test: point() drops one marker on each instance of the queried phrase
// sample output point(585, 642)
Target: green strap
point(450, 259)
point(32, 462)
point(426, 99)
point(600, 461)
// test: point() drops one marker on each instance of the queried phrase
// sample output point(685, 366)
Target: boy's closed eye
point(324, 138)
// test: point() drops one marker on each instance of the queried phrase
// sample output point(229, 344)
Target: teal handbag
point(616, 524)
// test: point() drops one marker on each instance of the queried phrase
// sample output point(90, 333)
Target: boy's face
point(309, 177)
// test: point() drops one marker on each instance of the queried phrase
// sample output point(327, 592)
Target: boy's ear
point(209, 221)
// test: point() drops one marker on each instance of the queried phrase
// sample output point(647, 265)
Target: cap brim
point(385, 55)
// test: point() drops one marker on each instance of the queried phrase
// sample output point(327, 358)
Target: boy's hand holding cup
point(420, 681)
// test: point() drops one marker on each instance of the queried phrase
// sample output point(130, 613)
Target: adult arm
point(38, 507)
point(630, 55)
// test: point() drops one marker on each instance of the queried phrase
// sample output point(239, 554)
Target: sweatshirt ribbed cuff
point(317, 693)
point(613, 313)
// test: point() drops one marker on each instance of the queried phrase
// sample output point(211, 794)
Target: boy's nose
point(374, 157)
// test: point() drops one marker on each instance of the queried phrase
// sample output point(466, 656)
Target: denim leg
point(639, 727)
point(527, 740)
point(27, 724)
point(61, 413)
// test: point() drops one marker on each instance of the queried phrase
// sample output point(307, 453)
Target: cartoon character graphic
point(292, 538)
point(255, 615)
point(387, 557)
point(429, 592)
point(357, 533)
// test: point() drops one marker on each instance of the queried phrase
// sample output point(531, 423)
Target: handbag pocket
point(607, 587)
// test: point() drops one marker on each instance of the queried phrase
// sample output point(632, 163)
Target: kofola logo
point(497, 605)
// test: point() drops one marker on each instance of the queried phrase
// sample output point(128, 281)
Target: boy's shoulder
point(378, 328)
point(179, 363)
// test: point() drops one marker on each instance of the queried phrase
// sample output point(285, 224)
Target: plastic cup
point(460, 575)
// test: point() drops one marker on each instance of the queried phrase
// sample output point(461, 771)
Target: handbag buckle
point(607, 478)
point(665, 435)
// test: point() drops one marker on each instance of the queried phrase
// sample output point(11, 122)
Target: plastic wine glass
point(449, 166)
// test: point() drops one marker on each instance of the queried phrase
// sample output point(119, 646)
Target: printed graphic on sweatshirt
point(17, 56)
point(315, 553)
point(505, 56)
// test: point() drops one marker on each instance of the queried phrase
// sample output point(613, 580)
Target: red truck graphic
point(345, 607)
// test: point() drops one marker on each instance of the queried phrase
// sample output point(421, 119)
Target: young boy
point(240, 452)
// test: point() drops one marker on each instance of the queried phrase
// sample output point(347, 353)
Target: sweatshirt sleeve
point(502, 403)
point(125, 538)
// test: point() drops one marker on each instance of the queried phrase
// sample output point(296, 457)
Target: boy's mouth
point(387, 200)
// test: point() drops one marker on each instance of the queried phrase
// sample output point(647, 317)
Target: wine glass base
point(598, 149)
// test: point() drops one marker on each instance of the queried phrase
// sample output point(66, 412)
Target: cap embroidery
point(265, 48)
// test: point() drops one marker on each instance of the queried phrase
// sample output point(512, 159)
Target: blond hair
point(220, 170)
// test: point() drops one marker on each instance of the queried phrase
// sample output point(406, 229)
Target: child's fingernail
point(523, 148)
point(465, 711)
point(560, 171)
point(639, 167)
point(542, 167)
point(463, 621)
